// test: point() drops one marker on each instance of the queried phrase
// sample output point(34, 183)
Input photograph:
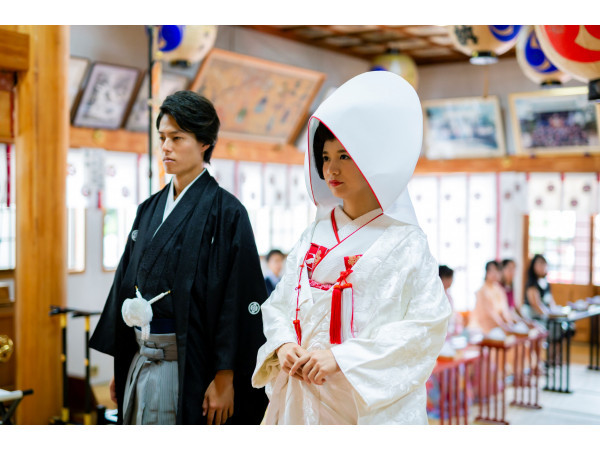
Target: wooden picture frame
point(257, 99)
point(469, 127)
point(555, 121)
point(78, 69)
point(137, 117)
point(106, 96)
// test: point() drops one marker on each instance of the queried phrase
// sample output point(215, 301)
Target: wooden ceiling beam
point(282, 34)
point(14, 50)
point(572, 163)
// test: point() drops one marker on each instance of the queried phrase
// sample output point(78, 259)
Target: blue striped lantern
point(483, 43)
point(535, 63)
point(185, 45)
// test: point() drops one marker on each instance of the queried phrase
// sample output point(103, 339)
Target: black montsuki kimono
point(205, 254)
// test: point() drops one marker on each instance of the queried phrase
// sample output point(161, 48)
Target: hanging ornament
point(534, 63)
point(184, 45)
point(483, 43)
point(399, 63)
point(574, 49)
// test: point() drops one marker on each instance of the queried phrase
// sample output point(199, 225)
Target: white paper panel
point(544, 191)
point(481, 229)
point(223, 170)
point(580, 193)
point(297, 186)
point(275, 185)
point(120, 175)
point(513, 205)
point(142, 177)
point(76, 182)
point(250, 184)
point(423, 192)
point(453, 242)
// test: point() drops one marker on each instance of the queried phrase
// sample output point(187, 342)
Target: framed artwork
point(170, 83)
point(463, 128)
point(78, 68)
point(555, 121)
point(257, 99)
point(106, 96)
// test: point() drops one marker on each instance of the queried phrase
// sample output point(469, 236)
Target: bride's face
point(342, 175)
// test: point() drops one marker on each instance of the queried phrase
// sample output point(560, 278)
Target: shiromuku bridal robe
point(394, 312)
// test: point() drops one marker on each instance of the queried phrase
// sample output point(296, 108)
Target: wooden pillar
point(41, 273)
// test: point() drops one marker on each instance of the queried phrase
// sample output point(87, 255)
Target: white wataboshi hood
point(377, 117)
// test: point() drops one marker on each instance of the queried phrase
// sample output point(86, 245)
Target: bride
point(355, 325)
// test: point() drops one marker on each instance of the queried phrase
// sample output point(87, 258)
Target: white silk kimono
point(400, 319)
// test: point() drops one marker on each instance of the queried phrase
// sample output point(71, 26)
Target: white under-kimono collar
point(171, 203)
point(347, 226)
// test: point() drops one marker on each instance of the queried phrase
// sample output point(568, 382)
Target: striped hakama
point(152, 385)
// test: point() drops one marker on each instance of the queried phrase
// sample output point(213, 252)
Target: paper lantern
point(534, 63)
point(184, 45)
point(399, 63)
point(574, 49)
point(483, 43)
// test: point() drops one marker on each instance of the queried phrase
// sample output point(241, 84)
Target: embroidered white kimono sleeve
point(277, 318)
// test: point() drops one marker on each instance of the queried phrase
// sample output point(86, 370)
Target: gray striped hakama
point(152, 386)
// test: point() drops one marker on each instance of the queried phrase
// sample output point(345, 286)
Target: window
point(121, 183)
point(116, 227)
point(563, 237)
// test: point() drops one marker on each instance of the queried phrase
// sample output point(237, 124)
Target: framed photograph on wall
point(78, 68)
point(555, 121)
point(137, 120)
point(257, 99)
point(463, 128)
point(106, 96)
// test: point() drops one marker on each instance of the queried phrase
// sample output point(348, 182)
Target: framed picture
point(106, 96)
point(78, 68)
point(554, 121)
point(463, 128)
point(170, 83)
point(257, 99)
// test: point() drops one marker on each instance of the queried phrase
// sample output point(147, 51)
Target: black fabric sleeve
point(239, 321)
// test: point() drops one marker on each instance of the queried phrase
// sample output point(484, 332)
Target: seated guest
point(538, 296)
point(491, 308)
point(275, 260)
point(447, 276)
point(508, 274)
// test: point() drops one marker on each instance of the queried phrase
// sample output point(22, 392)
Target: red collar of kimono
point(335, 325)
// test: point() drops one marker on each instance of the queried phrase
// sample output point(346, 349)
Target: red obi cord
point(335, 325)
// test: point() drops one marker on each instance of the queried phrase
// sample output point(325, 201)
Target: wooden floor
point(582, 407)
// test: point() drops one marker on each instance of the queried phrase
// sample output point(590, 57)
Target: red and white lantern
point(574, 49)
